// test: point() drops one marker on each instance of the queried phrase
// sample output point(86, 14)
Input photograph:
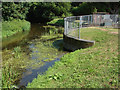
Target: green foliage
point(9, 74)
point(89, 8)
point(43, 12)
point(112, 8)
point(95, 10)
point(17, 51)
point(13, 64)
point(46, 11)
point(57, 22)
point(12, 27)
point(54, 29)
point(94, 67)
point(14, 10)
point(83, 9)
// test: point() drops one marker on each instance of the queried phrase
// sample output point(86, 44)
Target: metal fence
point(75, 23)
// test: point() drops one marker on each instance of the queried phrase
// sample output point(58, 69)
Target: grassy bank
point(57, 22)
point(10, 28)
point(94, 67)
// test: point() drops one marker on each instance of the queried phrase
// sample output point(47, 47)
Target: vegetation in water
point(16, 60)
point(45, 48)
point(13, 65)
point(54, 29)
point(12, 27)
point(94, 67)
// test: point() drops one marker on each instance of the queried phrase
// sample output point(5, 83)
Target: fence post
point(80, 25)
point(65, 26)
point(91, 19)
point(115, 18)
point(88, 19)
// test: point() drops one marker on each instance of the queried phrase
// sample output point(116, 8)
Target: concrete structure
point(73, 44)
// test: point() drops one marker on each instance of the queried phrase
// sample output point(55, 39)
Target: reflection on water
point(36, 31)
point(14, 40)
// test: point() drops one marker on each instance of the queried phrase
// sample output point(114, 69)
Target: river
point(42, 50)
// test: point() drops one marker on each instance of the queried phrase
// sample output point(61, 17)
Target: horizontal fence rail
point(75, 23)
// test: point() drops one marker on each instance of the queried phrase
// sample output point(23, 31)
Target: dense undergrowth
point(12, 27)
point(94, 67)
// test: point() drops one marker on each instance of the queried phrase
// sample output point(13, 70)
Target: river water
point(42, 48)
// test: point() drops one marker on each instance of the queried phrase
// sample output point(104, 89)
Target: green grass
point(57, 22)
point(13, 64)
point(10, 28)
point(94, 67)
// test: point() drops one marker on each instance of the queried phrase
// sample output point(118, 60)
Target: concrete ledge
point(72, 44)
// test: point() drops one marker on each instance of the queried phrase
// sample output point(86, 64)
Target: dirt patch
point(108, 30)
point(102, 29)
point(114, 32)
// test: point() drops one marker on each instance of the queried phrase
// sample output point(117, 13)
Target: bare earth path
point(108, 30)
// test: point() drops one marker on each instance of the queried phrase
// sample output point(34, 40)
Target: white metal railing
point(77, 22)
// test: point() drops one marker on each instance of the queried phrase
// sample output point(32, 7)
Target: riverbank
point(40, 46)
point(94, 67)
point(10, 28)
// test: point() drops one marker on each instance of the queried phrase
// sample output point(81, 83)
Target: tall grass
point(11, 70)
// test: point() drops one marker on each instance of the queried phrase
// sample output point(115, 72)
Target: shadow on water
point(58, 44)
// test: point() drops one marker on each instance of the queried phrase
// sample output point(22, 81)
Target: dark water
point(21, 37)
point(35, 49)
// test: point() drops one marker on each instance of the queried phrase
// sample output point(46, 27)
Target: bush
point(11, 27)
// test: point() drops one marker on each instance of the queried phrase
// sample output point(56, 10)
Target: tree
point(111, 7)
point(83, 9)
point(14, 10)
point(46, 11)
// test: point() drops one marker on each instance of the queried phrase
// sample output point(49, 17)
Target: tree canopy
point(46, 11)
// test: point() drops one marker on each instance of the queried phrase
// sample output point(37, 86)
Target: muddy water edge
point(27, 54)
